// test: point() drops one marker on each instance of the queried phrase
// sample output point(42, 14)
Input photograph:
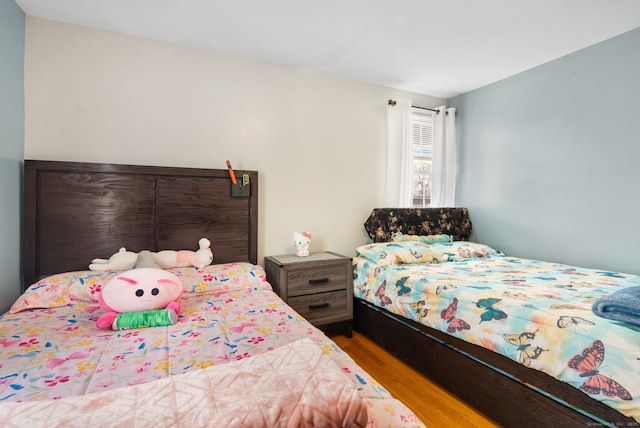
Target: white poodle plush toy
point(122, 260)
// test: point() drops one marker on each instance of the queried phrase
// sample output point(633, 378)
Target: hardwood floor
point(431, 403)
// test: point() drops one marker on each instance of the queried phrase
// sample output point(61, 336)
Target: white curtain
point(399, 155)
point(443, 180)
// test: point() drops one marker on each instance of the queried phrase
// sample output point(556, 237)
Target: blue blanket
point(622, 305)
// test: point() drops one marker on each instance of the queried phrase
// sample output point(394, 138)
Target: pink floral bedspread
point(296, 385)
point(50, 347)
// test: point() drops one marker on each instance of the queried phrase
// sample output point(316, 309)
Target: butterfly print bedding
point(449, 314)
point(535, 313)
point(588, 364)
point(527, 352)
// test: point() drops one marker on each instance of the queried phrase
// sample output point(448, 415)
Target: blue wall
point(12, 22)
point(549, 159)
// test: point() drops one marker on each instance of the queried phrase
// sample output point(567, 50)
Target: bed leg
point(348, 328)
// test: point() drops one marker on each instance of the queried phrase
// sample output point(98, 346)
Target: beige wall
point(318, 142)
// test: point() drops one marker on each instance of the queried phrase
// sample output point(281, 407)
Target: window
point(422, 149)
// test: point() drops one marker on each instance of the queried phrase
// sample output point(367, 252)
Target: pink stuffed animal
point(165, 259)
point(170, 258)
point(139, 290)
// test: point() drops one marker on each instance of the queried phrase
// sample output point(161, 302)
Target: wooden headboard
point(75, 212)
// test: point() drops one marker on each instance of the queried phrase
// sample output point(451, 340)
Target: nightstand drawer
point(319, 287)
point(331, 306)
point(316, 280)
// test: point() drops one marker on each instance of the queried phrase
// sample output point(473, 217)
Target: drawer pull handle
point(319, 306)
point(318, 281)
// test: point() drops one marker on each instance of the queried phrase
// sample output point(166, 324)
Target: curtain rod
point(393, 103)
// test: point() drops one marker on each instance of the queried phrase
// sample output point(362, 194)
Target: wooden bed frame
point(75, 212)
point(505, 391)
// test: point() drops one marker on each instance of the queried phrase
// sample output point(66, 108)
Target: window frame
point(423, 119)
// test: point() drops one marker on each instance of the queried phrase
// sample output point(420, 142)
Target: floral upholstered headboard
point(418, 221)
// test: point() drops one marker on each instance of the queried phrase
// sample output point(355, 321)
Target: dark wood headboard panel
point(74, 212)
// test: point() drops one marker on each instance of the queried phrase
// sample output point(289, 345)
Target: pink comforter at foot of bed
point(292, 386)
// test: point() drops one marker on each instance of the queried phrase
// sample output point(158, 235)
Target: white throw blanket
point(292, 386)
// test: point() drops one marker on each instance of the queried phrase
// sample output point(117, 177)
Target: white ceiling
point(441, 48)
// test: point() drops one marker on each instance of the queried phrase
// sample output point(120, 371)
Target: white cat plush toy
point(302, 240)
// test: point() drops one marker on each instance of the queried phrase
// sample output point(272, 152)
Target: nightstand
point(319, 287)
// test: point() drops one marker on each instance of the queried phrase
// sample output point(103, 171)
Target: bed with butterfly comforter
point(533, 312)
